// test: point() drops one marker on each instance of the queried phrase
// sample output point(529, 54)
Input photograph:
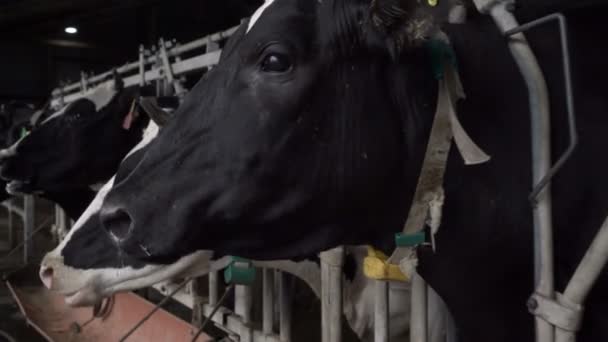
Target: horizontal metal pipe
point(268, 301)
point(176, 51)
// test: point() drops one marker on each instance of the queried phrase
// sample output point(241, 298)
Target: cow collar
point(428, 199)
point(427, 203)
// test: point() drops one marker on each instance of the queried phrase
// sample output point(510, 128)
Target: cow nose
point(46, 275)
point(117, 222)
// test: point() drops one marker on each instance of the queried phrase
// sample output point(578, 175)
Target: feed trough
point(47, 312)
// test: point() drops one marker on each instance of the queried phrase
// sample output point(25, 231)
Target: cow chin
point(88, 287)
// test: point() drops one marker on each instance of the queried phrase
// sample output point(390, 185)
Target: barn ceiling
point(45, 19)
point(37, 54)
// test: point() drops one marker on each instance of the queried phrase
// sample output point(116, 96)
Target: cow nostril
point(46, 275)
point(118, 224)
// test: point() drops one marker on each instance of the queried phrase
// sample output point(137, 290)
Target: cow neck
point(74, 202)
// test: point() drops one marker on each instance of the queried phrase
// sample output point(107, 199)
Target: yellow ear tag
point(432, 3)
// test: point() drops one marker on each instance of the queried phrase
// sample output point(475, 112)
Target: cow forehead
point(258, 13)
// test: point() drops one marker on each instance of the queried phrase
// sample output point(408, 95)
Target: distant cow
point(310, 134)
point(16, 119)
point(76, 149)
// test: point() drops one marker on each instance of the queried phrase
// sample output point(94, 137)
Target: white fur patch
point(100, 96)
point(10, 151)
point(258, 13)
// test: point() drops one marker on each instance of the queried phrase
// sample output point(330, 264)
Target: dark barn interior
point(37, 55)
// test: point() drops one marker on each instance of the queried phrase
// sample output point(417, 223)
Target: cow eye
point(276, 62)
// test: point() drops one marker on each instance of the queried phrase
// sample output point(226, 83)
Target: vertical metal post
point(61, 223)
point(285, 309)
point(332, 262)
point(242, 302)
point(418, 316)
point(170, 78)
point(381, 308)
point(541, 157)
point(437, 316)
point(28, 227)
point(84, 86)
point(213, 290)
point(142, 66)
point(197, 302)
point(268, 301)
point(242, 307)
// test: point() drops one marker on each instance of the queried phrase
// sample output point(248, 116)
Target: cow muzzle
point(75, 286)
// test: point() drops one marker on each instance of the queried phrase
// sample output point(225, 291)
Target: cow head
point(295, 142)
point(88, 264)
point(77, 147)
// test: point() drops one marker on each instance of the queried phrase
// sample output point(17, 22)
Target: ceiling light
point(71, 30)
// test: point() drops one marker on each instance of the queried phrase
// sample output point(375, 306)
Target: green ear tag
point(239, 272)
point(24, 132)
point(409, 240)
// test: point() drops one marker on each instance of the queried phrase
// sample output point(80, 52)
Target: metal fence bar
point(28, 227)
point(129, 67)
point(331, 294)
point(268, 304)
point(285, 307)
point(381, 311)
point(62, 224)
point(418, 317)
point(242, 307)
point(179, 68)
point(213, 291)
point(436, 317)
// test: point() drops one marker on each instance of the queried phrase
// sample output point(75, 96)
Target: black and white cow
point(310, 133)
point(76, 149)
point(16, 119)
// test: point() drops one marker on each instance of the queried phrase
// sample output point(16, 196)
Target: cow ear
point(405, 23)
point(151, 107)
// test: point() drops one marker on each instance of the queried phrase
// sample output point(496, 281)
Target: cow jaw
point(87, 287)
